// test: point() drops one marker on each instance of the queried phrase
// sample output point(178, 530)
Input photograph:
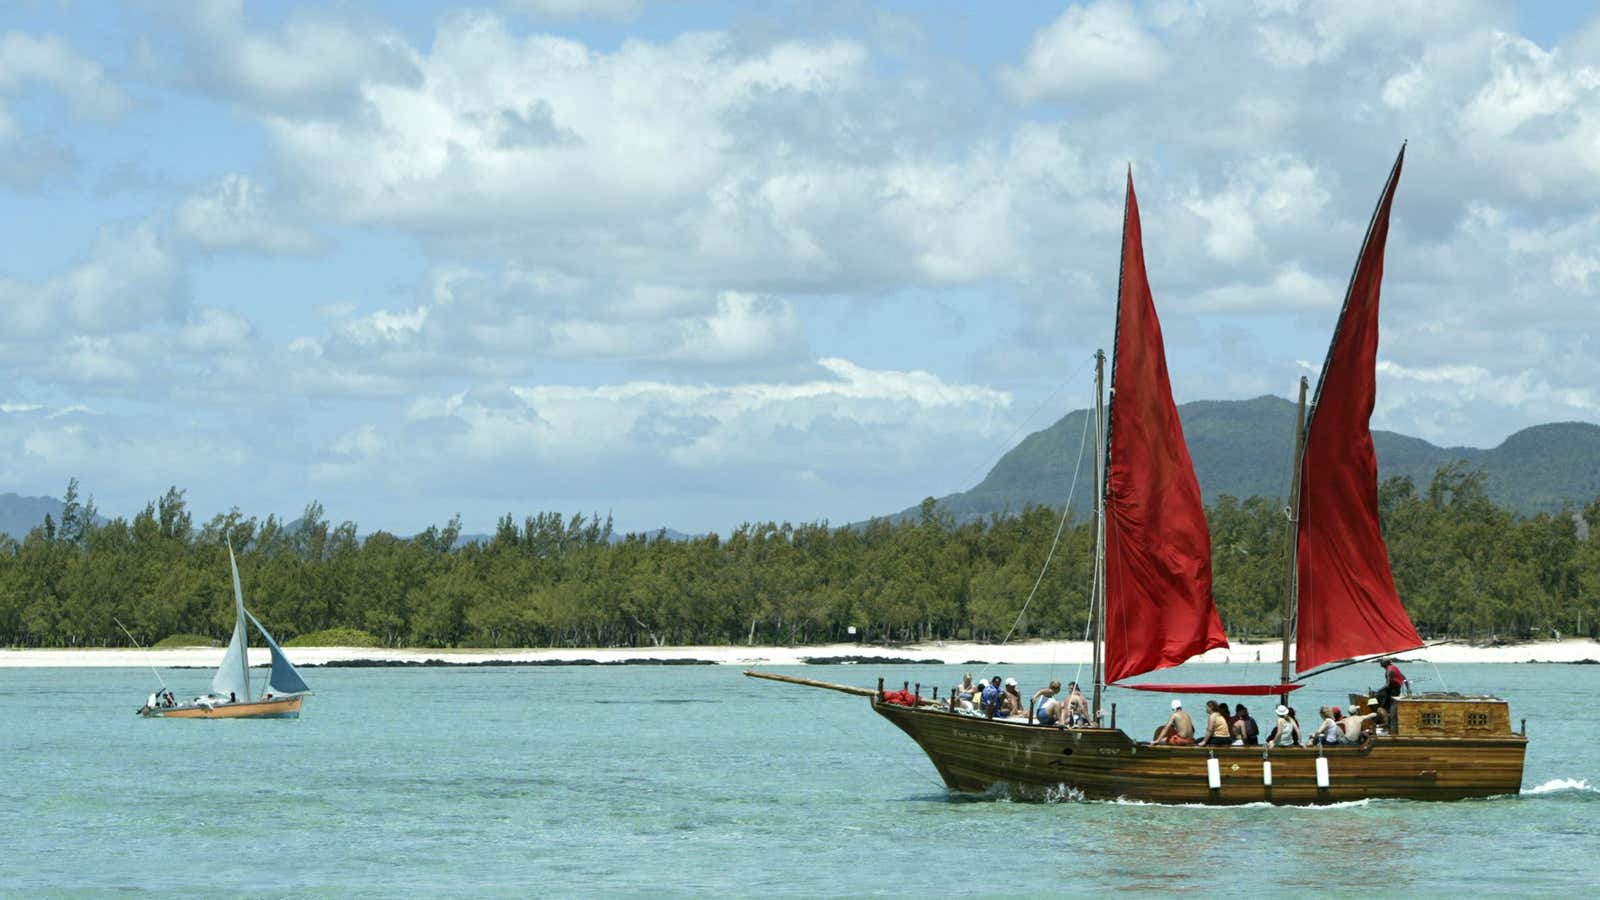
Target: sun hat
point(1011, 682)
point(1283, 710)
point(1373, 701)
point(1177, 704)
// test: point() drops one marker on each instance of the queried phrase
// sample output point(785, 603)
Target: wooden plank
point(808, 682)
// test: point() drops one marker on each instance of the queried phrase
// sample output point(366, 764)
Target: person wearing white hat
point(1286, 733)
point(1179, 728)
point(1011, 702)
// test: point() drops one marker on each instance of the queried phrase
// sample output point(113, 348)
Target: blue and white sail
point(283, 678)
point(233, 676)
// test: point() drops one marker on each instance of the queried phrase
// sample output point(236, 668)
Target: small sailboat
point(1153, 606)
point(230, 696)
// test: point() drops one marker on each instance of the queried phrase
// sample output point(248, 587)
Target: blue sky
point(699, 264)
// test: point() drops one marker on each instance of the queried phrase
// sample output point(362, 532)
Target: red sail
point(1159, 610)
point(1348, 603)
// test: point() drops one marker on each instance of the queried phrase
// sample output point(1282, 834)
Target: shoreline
point(1569, 651)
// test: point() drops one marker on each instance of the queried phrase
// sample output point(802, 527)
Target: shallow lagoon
point(693, 780)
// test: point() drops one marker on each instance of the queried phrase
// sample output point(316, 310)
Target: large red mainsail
point(1348, 603)
point(1159, 610)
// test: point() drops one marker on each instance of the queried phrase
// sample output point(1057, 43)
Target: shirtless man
point(1077, 707)
point(1179, 728)
point(1353, 724)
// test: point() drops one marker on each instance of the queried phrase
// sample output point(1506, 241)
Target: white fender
point(1322, 771)
point(1266, 772)
point(1213, 773)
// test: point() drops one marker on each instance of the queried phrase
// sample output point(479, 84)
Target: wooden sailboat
point(230, 698)
point(1153, 606)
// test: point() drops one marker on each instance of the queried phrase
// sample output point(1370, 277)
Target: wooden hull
point(277, 708)
point(976, 755)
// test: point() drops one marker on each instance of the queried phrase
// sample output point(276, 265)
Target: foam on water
point(1563, 785)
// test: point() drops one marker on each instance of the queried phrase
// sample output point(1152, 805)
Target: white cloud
point(49, 61)
point(636, 251)
point(1091, 48)
point(834, 425)
point(131, 278)
point(236, 214)
point(576, 9)
point(311, 64)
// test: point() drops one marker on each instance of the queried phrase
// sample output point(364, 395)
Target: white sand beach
point(1025, 653)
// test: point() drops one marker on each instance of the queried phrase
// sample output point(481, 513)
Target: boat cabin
point(1451, 715)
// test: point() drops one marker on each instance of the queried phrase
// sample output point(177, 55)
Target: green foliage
point(184, 640)
point(334, 637)
point(1464, 565)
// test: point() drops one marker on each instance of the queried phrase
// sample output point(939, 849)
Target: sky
point(695, 265)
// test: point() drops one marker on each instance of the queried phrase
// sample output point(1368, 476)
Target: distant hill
point(20, 515)
point(1242, 447)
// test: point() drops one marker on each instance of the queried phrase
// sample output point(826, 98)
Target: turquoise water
point(696, 780)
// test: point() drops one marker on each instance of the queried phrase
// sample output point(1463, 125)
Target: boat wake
point(1563, 786)
point(1346, 804)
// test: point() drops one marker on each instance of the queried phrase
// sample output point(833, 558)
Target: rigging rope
point(1066, 511)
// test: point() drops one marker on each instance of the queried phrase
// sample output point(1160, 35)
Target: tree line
point(1465, 567)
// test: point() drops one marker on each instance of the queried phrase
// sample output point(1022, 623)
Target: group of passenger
point(1237, 728)
point(997, 700)
point(161, 699)
point(1348, 727)
point(1225, 726)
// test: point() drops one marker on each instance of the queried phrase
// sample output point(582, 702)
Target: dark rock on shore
point(444, 663)
point(878, 660)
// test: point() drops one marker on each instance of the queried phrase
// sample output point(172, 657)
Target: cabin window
point(1477, 720)
point(1432, 720)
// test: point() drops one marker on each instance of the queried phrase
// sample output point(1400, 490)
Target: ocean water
point(694, 781)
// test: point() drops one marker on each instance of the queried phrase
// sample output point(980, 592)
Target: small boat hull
point(975, 755)
point(276, 708)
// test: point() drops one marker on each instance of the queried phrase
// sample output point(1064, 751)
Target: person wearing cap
point(1353, 724)
point(1380, 716)
point(1179, 728)
point(1044, 707)
point(1393, 683)
point(1286, 733)
point(1011, 701)
point(990, 698)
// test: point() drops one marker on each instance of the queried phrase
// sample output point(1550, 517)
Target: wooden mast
point(1097, 601)
point(1291, 586)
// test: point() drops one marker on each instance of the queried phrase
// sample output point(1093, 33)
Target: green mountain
point(1242, 447)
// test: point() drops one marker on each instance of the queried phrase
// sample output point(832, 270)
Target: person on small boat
point(1245, 730)
point(1217, 731)
point(1328, 732)
point(1077, 707)
point(1179, 728)
point(990, 698)
point(965, 691)
point(1046, 708)
point(1353, 724)
point(1394, 683)
point(1011, 701)
point(1286, 733)
point(1380, 716)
